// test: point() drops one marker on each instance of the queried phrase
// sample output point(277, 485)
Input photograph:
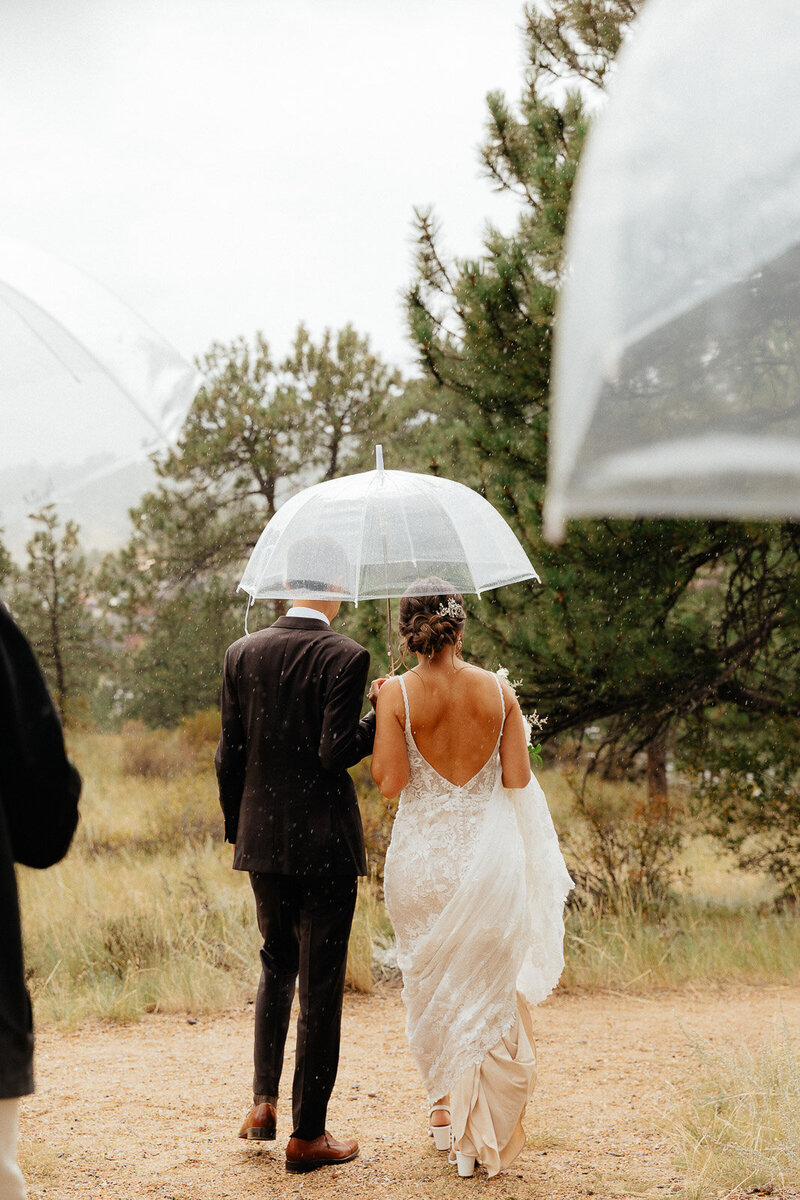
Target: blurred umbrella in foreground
point(394, 529)
point(87, 386)
point(677, 362)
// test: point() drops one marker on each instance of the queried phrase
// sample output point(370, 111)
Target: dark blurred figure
point(39, 790)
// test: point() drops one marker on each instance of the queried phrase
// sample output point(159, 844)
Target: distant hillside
point(97, 501)
point(94, 496)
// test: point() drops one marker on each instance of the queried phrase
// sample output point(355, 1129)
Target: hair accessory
point(452, 609)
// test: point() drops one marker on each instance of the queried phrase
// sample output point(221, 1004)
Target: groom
point(291, 701)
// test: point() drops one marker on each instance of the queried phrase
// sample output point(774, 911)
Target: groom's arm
point(345, 739)
point(230, 759)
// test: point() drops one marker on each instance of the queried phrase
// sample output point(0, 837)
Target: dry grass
point(145, 914)
point(717, 929)
point(739, 1125)
point(118, 936)
point(156, 809)
point(633, 951)
point(164, 754)
point(121, 935)
point(712, 877)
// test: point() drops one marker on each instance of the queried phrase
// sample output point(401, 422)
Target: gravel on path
point(151, 1110)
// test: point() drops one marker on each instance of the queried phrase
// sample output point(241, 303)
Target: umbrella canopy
point(677, 362)
point(379, 533)
point(88, 386)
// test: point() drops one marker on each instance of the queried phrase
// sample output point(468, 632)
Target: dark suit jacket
point(291, 700)
point(39, 792)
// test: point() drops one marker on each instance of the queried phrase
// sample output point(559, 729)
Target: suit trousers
point(304, 921)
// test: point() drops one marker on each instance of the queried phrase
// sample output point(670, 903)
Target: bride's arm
point(389, 757)
point(514, 756)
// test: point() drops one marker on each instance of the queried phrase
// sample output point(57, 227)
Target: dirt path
point(151, 1110)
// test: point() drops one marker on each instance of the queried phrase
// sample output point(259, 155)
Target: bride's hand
point(374, 688)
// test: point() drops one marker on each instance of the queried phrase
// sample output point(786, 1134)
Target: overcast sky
point(233, 165)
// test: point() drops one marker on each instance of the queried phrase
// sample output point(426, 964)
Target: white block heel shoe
point(442, 1134)
point(465, 1164)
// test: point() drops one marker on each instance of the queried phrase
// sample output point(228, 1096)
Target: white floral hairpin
point(452, 609)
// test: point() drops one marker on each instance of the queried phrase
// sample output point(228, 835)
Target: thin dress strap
point(502, 701)
point(405, 701)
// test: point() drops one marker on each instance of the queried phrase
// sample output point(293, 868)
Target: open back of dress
point(475, 886)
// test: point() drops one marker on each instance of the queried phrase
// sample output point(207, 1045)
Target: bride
point(474, 882)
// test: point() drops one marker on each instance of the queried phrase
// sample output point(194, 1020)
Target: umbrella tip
point(379, 458)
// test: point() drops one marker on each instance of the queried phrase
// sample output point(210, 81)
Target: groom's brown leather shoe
point(323, 1151)
point(260, 1123)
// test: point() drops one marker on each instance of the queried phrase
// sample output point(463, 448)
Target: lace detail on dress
point(436, 829)
point(475, 887)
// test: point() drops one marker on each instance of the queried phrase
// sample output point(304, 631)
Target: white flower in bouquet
point(531, 722)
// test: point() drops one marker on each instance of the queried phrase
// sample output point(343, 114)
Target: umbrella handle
point(389, 622)
point(379, 468)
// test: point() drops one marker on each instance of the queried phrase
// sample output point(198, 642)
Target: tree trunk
point(657, 768)
point(333, 456)
point(55, 640)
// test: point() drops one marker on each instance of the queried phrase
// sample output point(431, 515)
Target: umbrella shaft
point(391, 639)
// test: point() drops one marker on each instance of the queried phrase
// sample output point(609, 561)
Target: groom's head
point(314, 566)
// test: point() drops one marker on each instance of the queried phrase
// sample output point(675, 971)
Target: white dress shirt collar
point(308, 614)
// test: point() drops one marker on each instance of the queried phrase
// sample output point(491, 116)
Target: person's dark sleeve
point(230, 759)
point(344, 739)
point(39, 787)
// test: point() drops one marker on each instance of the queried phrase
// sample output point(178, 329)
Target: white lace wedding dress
point(475, 886)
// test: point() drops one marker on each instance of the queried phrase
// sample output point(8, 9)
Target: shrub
point(622, 847)
point(748, 797)
point(189, 816)
point(201, 730)
point(366, 921)
point(377, 817)
point(155, 753)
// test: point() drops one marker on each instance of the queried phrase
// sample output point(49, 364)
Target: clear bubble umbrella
point(380, 534)
point(677, 360)
point(88, 387)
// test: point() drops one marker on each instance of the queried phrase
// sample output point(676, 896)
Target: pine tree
point(257, 431)
point(53, 599)
point(344, 393)
point(641, 628)
point(6, 562)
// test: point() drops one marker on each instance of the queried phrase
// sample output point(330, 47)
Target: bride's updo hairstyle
point(430, 622)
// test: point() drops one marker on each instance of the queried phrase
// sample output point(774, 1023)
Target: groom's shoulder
point(346, 646)
point(338, 645)
point(249, 643)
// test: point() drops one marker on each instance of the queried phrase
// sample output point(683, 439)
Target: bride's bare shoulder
point(489, 681)
point(477, 674)
point(391, 687)
point(390, 696)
